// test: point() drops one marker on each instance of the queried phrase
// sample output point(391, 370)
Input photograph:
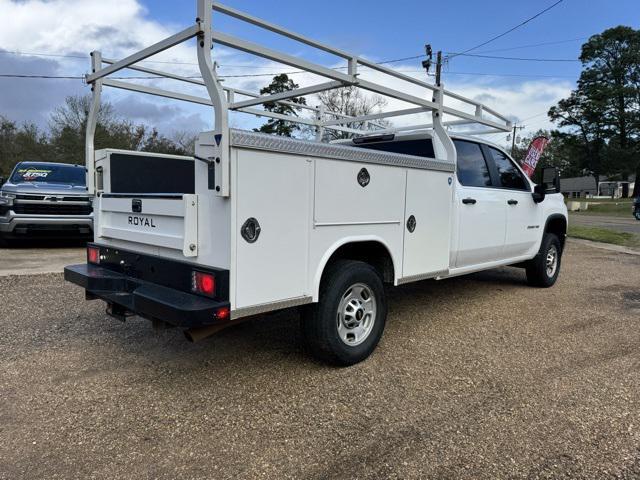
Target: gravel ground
point(32, 259)
point(476, 377)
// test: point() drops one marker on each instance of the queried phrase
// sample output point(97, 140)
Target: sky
point(522, 89)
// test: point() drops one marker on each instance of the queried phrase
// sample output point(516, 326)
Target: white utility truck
point(254, 223)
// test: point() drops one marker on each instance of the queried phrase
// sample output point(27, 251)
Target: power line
point(531, 45)
point(522, 59)
point(47, 77)
point(35, 54)
point(508, 31)
point(157, 77)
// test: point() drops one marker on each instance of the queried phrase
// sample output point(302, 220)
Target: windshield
point(49, 173)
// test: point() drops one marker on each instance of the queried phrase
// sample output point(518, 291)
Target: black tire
point(538, 275)
point(320, 322)
point(637, 214)
point(4, 243)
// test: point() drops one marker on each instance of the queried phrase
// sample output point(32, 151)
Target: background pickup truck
point(45, 199)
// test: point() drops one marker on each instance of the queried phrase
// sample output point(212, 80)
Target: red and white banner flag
point(536, 148)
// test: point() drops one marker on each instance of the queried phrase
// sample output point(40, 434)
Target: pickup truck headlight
point(6, 198)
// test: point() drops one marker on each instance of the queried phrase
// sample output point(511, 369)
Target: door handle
point(512, 202)
point(469, 201)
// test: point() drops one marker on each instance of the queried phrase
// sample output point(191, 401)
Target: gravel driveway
point(478, 377)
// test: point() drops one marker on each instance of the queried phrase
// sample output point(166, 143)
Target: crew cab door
point(523, 214)
point(481, 209)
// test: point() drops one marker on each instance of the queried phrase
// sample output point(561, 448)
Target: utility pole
point(513, 140)
point(426, 64)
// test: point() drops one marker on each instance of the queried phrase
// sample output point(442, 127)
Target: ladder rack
point(224, 99)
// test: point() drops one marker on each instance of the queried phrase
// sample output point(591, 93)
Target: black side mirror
point(551, 180)
point(550, 184)
point(539, 193)
point(1, 181)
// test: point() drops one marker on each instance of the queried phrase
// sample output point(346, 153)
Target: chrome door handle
point(469, 201)
point(512, 202)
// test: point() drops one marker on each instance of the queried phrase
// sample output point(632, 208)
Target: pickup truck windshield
point(48, 173)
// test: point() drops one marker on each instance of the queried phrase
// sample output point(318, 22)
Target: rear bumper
point(146, 299)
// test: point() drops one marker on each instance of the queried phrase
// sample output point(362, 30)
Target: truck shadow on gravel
point(276, 337)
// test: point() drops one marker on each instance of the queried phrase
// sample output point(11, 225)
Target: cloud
point(165, 117)
point(120, 27)
point(31, 100)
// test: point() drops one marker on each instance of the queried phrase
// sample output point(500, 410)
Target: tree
point(564, 152)
point(604, 110)
point(578, 112)
point(65, 141)
point(280, 83)
point(68, 125)
point(17, 143)
point(352, 102)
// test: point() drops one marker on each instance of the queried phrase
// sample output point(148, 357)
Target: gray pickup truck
point(45, 199)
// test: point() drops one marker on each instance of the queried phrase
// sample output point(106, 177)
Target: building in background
point(578, 187)
point(585, 187)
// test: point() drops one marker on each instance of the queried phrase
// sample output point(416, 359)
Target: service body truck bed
point(255, 223)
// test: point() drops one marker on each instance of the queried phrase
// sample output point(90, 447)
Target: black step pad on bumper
point(146, 299)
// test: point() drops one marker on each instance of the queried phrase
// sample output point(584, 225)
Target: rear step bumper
point(126, 294)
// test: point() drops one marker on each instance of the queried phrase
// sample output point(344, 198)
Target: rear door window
point(508, 174)
point(422, 147)
point(472, 166)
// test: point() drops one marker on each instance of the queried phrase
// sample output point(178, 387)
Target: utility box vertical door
point(428, 214)
point(274, 192)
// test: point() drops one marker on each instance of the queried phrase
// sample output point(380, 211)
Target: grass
point(604, 235)
point(613, 209)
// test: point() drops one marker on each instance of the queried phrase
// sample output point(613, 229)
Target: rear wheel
point(345, 326)
point(543, 270)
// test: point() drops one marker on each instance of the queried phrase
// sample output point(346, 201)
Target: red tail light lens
point(93, 255)
point(203, 283)
point(223, 313)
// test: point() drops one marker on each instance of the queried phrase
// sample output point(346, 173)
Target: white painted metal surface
point(307, 196)
point(429, 201)
point(276, 190)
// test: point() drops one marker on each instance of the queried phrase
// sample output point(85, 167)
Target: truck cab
point(45, 199)
point(496, 215)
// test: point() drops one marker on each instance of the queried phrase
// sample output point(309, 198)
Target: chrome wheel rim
point(552, 261)
point(356, 314)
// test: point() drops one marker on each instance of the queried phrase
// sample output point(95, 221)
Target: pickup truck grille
point(51, 209)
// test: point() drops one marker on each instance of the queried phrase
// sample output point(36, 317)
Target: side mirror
point(539, 193)
point(551, 180)
point(550, 184)
point(1, 181)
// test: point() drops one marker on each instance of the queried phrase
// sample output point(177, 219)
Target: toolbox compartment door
point(428, 201)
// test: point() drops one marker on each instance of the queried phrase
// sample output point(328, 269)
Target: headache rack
point(224, 98)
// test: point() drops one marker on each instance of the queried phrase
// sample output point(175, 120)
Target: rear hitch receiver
point(118, 312)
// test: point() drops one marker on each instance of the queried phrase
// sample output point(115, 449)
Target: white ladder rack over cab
point(223, 98)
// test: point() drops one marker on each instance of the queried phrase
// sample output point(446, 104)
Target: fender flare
point(315, 288)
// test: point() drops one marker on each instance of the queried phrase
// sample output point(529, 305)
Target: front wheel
point(543, 270)
point(637, 214)
point(345, 326)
